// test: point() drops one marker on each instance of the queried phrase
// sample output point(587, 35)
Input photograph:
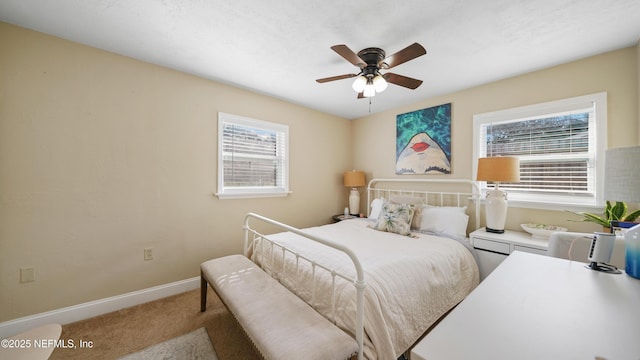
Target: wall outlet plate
point(27, 275)
point(148, 254)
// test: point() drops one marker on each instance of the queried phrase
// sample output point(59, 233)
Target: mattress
point(411, 281)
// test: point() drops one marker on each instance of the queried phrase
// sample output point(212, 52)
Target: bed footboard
point(253, 238)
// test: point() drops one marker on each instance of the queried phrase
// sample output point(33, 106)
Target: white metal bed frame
point(253, 239)
point(436, 198)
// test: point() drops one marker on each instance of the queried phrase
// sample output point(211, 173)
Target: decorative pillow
point(418, 204)
point(395, 218)
point(444, 221)
point(417, 217)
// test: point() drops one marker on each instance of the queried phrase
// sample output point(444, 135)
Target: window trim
point(251, 192)
point(541, 109)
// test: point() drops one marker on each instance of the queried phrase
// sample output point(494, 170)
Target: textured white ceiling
point(280, 47)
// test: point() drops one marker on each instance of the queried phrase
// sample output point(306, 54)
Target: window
point(253, 157)
point(560, 145)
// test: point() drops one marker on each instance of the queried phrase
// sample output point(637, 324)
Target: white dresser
point(493, 248)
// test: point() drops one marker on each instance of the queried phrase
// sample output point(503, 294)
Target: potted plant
point(617, 212)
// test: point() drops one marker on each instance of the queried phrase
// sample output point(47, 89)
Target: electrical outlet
point(27, 275)
point(148, 253)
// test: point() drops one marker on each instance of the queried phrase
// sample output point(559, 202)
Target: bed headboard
point(444, 192)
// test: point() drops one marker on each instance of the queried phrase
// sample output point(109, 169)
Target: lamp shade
point(499, 169)
point(354, 178)
point(622, 174)
point(359, 83)
point(379, 83)
point(369, 90)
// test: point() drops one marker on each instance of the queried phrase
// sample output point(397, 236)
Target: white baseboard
point(98, 307)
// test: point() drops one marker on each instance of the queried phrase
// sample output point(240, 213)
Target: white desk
point(539, 307)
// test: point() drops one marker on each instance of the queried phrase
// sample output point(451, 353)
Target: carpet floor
point(129, 330)
point(195, 345)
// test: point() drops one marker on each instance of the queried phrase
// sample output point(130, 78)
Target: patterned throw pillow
point(395, 218)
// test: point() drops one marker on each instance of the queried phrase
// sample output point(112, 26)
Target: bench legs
point(203, 293)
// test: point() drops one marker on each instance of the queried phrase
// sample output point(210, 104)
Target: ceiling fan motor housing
point(374, 58)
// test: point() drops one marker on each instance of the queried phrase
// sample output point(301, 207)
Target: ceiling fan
point(369, 80)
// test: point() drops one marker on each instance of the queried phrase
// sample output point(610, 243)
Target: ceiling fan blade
point(407, 82)
point(361, 95)
point(349, 55)
point(409, 53)
point(333, 78)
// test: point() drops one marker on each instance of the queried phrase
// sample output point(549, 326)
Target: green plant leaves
point(618, 212)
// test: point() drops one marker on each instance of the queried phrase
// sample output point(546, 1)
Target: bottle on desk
point(632, 247)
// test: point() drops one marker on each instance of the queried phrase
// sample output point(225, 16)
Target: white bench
point(280, 324)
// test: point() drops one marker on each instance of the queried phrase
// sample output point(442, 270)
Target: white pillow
point(444, 221)
point(376, 206)
point(462, 209)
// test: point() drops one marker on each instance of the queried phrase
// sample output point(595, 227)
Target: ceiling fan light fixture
point(359, 84)
point(379, 83)
point(369, 90)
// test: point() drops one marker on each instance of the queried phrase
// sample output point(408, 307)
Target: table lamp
point(354, 179)
point(622, 183)
point(497, 169)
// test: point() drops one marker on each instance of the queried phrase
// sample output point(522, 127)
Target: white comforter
point(411, 282)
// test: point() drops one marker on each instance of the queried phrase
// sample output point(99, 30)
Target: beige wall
point(102, 156)
point(613, 72)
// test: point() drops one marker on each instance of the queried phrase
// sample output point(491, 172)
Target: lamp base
point(354, 202)
point(496, 207)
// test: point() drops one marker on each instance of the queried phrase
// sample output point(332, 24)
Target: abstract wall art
point(423, 141)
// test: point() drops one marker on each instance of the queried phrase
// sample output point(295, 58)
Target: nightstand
point(492, 248)
point(340, 217)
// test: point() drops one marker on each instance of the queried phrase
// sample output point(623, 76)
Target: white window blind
point(252, 157)
point(558, 144)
